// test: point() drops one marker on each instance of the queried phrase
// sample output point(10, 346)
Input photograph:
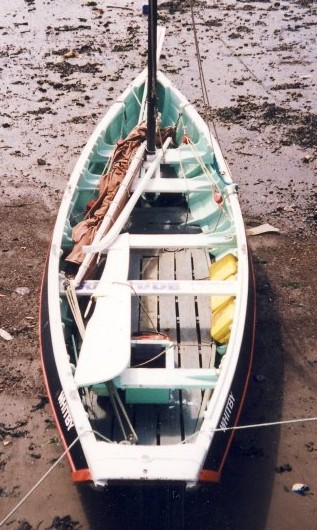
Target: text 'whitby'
point(65, 411)
point(227, 412)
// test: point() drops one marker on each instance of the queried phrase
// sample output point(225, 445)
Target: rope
point(200, 161)
point(235, 428)
point(266, 89)
point(115, 401)
point(74, 306)
point(201, 74)
point(207, 174)
point(94, 296)
point(200, 68)
point(137, 99)
point(153, 358)
point(39, 482)
point(204, 86)
point(249, 426)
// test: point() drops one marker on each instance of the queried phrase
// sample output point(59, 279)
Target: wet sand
point(62, 64)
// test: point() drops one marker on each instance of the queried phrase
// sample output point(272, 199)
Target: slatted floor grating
point(185, 319)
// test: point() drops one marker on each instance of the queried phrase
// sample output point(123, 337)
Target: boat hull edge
point(66, 429)
point(231, 412)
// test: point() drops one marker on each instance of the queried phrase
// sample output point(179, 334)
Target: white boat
point(147, 321)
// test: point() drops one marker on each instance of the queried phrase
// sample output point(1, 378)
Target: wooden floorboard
point(191, 398)
point(101, 415)
point(186, 303)
point(146, 424)
point(149, 304)
point(170, 421)
point(134, 274)
point(167, 309)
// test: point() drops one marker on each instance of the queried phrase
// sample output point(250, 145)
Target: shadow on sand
point(242, 498)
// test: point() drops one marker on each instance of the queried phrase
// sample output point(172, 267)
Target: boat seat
point(175, 378)
point(176, 185)
point(105, 350)
point(146, 385)
point(183, 155)
point(178, 240)
point(203, 240)
point(165, 287)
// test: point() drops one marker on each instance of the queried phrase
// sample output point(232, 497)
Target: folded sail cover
point(84, 232)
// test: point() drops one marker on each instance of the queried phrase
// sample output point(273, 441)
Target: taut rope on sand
point(236, 428)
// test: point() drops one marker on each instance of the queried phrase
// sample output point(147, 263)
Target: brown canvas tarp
point(84, 232)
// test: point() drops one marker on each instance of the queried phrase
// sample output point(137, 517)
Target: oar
point(113, 233)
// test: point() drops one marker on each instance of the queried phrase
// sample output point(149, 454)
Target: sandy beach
point(62, 64)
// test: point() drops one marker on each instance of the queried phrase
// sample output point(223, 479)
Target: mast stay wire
point(204, 89)
point(203, 85)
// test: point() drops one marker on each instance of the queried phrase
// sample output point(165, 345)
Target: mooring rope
point(249, 426)
point(235, 428)
point(39, 482)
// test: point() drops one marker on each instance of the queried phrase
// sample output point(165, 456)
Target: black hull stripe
point(221, 442)
point(53, 384)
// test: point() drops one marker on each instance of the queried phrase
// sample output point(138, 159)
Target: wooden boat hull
point(197, 453)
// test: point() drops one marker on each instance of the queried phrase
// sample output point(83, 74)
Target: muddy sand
point(62, 64)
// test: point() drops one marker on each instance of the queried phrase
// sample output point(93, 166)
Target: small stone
point(283, 468)
point(301, 489)
point(259, 378)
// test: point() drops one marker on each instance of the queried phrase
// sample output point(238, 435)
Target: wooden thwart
point(176, 185)
point(164, 378)
point(165, 287)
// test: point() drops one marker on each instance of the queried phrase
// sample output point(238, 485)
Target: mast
point(152, 66)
